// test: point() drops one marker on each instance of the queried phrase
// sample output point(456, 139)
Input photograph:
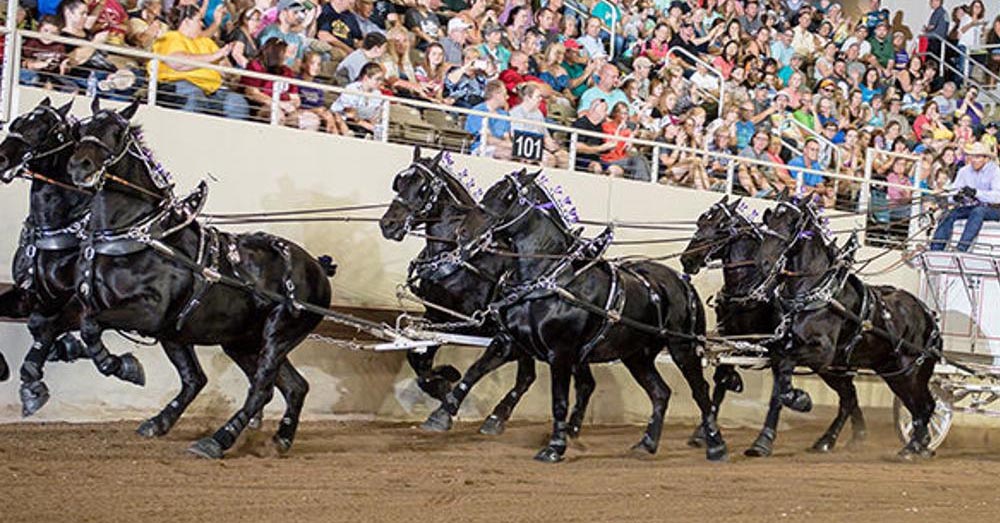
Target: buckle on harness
point(30, 251)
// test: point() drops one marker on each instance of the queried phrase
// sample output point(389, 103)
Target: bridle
point(130, 145)
point(436, 186)
point(63, 138)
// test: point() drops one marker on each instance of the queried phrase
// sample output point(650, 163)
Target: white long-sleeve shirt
point(986, 181)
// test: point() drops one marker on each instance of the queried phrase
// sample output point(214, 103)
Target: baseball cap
point(642, 61)
point(290, 4)
point(571, 44)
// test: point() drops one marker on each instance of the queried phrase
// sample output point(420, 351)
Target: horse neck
point(739, 272)
point(52, 206)
point(539, 235)
point(813, 261)
point(116, 206)
point(444, 224)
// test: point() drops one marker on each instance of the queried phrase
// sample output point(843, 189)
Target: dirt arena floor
point(367, 471)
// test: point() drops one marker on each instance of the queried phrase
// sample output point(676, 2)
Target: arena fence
point(410, 121)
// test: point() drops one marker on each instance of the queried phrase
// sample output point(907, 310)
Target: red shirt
point(621, 148)
point(111, 18)
point(266, 86)
point(512, 79)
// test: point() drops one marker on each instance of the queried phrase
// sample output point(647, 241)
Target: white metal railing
point(651, 149)
point(715, 72)
point(965, 74)
point(836, 153)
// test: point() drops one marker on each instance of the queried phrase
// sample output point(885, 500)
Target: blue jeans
point(233, 105)
point(974, 217)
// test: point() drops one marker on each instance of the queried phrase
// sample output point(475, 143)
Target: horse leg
point(912, 388)
point(248, 364)
point(561, 372)
point(584, 384)
point(4, 369)
point(726, 379)
point(687, 359)
point(125, 367)
point(278, 342)
point(642, 367)
point(499, 352)
point(67, 348)
point(844, 387)
point(435, 381)
point(294, 388)
point(192, 381)
point(34, 393)
point(495, 423)
point(781, 373)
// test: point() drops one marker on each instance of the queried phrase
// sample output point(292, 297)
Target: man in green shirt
point(882, 48)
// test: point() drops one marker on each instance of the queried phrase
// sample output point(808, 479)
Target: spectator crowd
point(802, 84)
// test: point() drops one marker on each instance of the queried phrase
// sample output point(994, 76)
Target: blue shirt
point(595, 93)
point(744, 132)
point(474, 124)
point(809, 179)
point(985, 181)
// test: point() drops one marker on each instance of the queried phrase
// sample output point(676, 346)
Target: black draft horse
point(125, 284)
point(570, 308)
point(38, 145)
point(746, 306)
point(430, 195)
point(836, 323)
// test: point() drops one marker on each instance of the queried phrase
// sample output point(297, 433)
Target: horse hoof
point(4, 370)
point(150, 429)
point(67, 348)
point(34, 396)
point(822, 446)
point(797, 400)
point(549, 455)
point(438, 421)
point(131, 370)
point(492, 426)
point(206, 448)
point(255, 422)
point(758, 450)
point(717, 453)
point(644, 448)
point(282, 444)
point(697, 440)
point(573, 430)
point(447, 372)
point(913, 452)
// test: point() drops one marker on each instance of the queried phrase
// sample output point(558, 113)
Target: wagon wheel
point(940, 422)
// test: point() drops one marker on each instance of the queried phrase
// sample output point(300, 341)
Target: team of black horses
point(109, 246)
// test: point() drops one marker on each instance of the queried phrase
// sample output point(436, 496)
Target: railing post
point(916, 202)
point(943, 51)
point(276, 91)
point(572, 152)
point(382, 133)
point(866, 184)
point(484, 133)
point(730, 177)
point(152, 82)
point(614, 18)
point(9, 80)
point(654, 168)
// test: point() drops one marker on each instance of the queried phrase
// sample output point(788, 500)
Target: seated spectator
point(591, 39)
point(42, 59)
point(363, 16)
point(372, 48)
point(458, 33)
point(497, 132)
point(516, 28)
point(532, 96)
point(358, 110)
point(579, 68)
point(83, 61)
point(977, 190)
point(516, 76)
point(107, 16)
point(259, 92)
point(464, 85)
point(245, 46)
point(338, 27)
point(492, 49)
point(146, 25)
point(431, 73)
point(812, 183)
point(623, 156)
point(291, 15)
point(590, 148)
point(758, 180)
point(899, 198)
point(552, 72)
point(313, 99)
point(421, 20)
point(945, 100)
point(199, 89)
point(606, 89)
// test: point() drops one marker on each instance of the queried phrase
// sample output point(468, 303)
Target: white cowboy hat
point(979, 149)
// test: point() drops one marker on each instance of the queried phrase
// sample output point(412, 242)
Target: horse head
point(716, 227)
point(40, 133)
point(423, 191)
point(105, 141)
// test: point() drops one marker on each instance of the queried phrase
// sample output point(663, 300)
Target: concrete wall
point(255, 167)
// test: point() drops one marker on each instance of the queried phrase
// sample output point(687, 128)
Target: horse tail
point(329, 266)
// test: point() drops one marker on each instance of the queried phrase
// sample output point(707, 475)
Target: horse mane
point(559, 200)
point(157, 173)
point(461, 184)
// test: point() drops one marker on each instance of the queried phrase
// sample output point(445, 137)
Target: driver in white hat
point(977, 198)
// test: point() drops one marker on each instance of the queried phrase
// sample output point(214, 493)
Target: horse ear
point(783, 195)
point(95, 105)
point(736, 204)
point(766, 216)
point(531, 177)
point(128, 112)
point(438, 157)
point(416, 153)
point(45, 102)
point(64, 110)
